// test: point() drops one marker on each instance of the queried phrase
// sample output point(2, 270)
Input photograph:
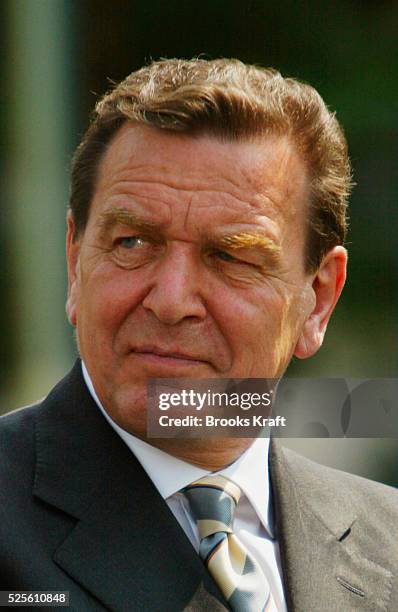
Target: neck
point(210, 454)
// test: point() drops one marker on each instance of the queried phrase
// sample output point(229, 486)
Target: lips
point(165, 353)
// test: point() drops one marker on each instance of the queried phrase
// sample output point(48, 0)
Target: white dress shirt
point(253, 522)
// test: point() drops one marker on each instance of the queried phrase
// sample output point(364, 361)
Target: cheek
point(262, 328)
point(251, 319)
point(105, 301)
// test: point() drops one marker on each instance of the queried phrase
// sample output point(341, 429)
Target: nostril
point(171, 305)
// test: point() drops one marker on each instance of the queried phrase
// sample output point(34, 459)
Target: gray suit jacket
point(78, 513)
point(338, 536)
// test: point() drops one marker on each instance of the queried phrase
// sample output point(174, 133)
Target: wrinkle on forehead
point(149, 183)
point(139, 163)
point(164, 191)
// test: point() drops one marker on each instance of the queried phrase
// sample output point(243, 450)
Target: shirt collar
point(170, 474)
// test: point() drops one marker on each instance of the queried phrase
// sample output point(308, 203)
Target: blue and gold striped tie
point(212, 501)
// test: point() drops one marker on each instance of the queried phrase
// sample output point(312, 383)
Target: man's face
point(191, 264)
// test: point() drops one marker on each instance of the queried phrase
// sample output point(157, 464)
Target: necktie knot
point(213, 500)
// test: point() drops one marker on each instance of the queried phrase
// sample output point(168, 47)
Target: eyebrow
point(240, 240)
point(251, 240)
point(247, 240)
point(121, 216)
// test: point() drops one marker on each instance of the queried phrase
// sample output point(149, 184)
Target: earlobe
point(72, 257)
point(327, 286)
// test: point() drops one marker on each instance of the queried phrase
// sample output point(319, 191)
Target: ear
point(327, 286)
point(72, 258)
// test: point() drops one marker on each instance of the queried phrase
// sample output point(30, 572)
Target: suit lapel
point(321, 542)
point(126, 548)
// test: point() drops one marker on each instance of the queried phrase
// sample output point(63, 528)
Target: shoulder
point(18, 452)
point(17, 432)
point(17, 475)
point(317, 472)
point(332, 491)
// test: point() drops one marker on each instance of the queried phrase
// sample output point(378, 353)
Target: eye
point(244, 261)
point(224, 256)
point(129, 242)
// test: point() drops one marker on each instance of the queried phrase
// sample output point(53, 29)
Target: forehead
point(251, 175)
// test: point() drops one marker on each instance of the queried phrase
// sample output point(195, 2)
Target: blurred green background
point(57, 56)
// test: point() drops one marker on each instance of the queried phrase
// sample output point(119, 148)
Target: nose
point(176, 290)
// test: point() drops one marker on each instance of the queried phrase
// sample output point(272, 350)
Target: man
point(205, 240)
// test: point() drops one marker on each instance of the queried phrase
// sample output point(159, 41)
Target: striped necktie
point(212, 501)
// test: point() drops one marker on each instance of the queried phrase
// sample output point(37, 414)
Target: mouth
point(163, 357)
